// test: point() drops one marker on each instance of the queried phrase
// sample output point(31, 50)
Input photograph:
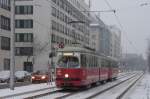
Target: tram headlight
point(66, 75)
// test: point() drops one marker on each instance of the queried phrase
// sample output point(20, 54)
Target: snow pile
point(4, 75)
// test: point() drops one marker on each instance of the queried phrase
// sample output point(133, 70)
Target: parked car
point(22, 76)
point(40, 77)
point(4, 76)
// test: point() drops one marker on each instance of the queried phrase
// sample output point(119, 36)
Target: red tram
point(80, 67)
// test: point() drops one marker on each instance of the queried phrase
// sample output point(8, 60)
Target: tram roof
point(83, 49)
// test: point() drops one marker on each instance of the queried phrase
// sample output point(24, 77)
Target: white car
point(22, 76)
point(4, 76)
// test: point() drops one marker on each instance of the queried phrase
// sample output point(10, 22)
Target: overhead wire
point(122, 28)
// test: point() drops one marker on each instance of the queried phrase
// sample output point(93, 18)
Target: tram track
point(68, 94)
point(71, 95)
point(130, 81)
point(120, 96)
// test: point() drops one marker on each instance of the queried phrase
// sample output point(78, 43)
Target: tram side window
point(107, 63)
point(93, 61)
point(83, 60)
point(115, 64)
point(87, 61)
point(103, 63)
point(92, 65)
point(99, 62)
point(96, 61)
point(90, 61)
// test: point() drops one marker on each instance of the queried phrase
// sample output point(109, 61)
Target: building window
point(24, 23)
point(5, 43)
point(28, 9)
point(24, 37)
point(5, 4)
point(4, 22)
point(24, 51)
point(6, 64)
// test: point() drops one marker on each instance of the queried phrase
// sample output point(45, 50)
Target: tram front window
point(68, 62)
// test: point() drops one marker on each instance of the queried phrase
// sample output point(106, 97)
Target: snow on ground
point(142, 90)
point(24, 89)
point(33, 94)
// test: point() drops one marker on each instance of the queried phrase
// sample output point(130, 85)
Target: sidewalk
point(24, 89)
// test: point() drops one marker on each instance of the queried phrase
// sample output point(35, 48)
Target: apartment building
point(115, 41)
point(69, 23)
point(107, 38)
point(42, 24)
point(102, 36)
point(4, 34)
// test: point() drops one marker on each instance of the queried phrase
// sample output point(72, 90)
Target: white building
point(4, 34)
point(115, 41)
point(102, 36)
point(107, 39)
point(42, 22)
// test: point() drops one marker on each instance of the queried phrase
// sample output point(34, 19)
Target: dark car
point(40, 77)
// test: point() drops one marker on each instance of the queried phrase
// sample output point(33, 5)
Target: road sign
point(61, 45)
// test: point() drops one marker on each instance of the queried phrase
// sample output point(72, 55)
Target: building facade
point(115, 41)
point(4, 34)
point(102, 36)
point(32, 34)
point(42, 24)
point(107, 38)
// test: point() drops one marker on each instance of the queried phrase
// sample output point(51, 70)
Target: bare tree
point(38, 48)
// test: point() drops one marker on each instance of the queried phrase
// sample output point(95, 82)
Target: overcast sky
point(134, 18)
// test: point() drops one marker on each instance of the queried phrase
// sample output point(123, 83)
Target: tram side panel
point(92, 75)
point(104, 73)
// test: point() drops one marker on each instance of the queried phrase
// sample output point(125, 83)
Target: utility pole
point(148, 57)
point(90, 4)
point(12, 57)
